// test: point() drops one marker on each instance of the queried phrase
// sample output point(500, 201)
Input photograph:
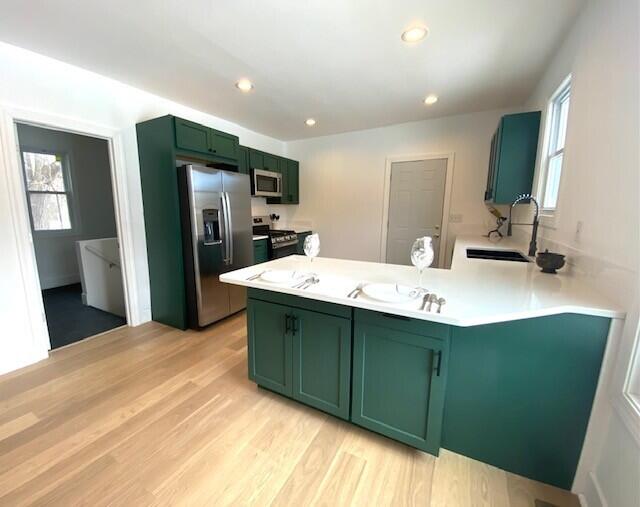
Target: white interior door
point(416, 199)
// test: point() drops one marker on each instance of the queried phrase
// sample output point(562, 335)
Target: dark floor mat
point(69, 320)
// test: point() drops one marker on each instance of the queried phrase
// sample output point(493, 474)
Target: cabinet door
point(269, 346)
point(322, 361)
point(270, 162)
point(243, 160)
point(398, 385)
point(293, 182)
point(260, 251)
point(192, 136)
point(223, 144)
point(256, 159)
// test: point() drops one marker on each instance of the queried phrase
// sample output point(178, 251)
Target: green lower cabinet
point(270, 346)
point(322, 361)
point(302, 354)
point(399, 384)
point(260, 251)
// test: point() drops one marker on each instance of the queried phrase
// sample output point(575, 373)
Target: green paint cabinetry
point(290, 183)
point(270, 346)
point(519, 393)
point(260, 251)
point(243, 160)
point(322, 361)
point(301, 353)
point(399, 378)
point(516, 395)
point(193, 137)
point(512, 158)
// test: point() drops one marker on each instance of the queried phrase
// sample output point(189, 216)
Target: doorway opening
point(417, 199)
point(70, 202)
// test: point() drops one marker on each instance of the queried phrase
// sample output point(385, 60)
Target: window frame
point(74, 221)
point(549, 151)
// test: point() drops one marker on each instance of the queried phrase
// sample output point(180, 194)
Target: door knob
point(436, 236)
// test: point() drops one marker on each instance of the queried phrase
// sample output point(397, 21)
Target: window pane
point(554, 170)
point(43, 172)
point(563, 112)
point(50, 212)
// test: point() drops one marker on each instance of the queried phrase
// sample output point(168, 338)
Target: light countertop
point(477, 291)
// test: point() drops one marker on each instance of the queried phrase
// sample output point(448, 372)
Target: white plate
point(283, 276)
point(390, 292)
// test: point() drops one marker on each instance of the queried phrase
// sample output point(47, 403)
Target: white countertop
point(477, 291)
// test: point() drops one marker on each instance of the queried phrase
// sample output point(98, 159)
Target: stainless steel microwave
point(266, 183)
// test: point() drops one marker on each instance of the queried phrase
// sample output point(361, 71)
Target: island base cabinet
point(398, 384)
point(302, 354)
point(322, 361)
point(269, 346)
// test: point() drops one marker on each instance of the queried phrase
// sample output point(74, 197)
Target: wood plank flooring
point(155, 416)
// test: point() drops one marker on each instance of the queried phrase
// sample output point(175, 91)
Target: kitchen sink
point(496, 255)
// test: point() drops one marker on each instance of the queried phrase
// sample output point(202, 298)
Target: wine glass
point(312, 246)
point(422, 256)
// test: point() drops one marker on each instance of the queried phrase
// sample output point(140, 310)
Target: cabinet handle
point(295, 324)
point(438, 363)
point(287, 323)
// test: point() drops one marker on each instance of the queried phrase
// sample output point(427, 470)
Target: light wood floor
point(155, 416)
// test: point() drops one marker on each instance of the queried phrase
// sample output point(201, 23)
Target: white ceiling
point(339, 61)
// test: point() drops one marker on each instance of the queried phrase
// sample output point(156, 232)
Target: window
point(557, 132)
point(48, 191)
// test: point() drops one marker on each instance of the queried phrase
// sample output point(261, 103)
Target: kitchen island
point(505, 374)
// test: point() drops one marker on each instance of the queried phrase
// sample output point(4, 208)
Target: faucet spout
point(533, 245)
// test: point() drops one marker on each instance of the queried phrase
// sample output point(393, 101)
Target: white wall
point(342, 179)
point(90, 171)
point(33, 82)
point(600, 188)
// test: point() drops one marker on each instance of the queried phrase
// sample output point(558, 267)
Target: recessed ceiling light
point(431, 99)
point(414, 34)
point(244, 85)
point(310, 122)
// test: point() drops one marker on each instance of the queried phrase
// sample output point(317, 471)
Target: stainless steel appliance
point(281, 242)
point(216, 223)
point(266, 183)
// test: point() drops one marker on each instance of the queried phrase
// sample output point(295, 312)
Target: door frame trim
point(446, 205)
point(10, 157)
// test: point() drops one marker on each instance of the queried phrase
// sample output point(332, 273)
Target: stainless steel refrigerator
point(215, 208)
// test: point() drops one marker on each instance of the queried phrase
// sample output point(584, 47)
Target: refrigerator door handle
point(229, 226)
point(224, 236)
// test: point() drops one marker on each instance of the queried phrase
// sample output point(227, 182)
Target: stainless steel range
point(281, 242)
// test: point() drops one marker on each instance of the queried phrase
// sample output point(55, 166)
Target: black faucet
point(534, 233)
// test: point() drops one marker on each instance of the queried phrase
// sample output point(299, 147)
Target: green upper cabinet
point(512, 158)
point(292, 196)
point(222, 144)
point(399, 372)
point(256, 159)
point(290, 182)
point(243, 160)
point(270, 162)
point(192, 136)
point(197, 138)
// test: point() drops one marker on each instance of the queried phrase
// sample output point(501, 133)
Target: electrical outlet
point(455, 218)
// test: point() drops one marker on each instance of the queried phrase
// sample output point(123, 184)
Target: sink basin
point(496, 255)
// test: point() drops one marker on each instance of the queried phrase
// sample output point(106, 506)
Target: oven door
point(266, 183)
